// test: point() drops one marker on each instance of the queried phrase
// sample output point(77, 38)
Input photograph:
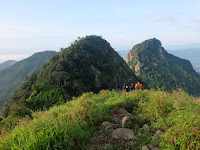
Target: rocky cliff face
point(161, 70)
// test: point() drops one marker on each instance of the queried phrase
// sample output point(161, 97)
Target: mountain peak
point(155, 66)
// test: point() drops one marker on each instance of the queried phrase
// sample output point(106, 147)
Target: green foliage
point(161, 70)
point(45, 96)
point(70, 126)
point(89, 64)
point(12, 77)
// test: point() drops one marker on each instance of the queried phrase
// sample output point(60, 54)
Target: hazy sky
point(28, 26)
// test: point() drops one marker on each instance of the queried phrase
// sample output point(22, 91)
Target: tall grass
point(70, 126)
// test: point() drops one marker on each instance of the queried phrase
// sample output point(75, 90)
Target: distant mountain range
point(11, 78)
point(191, 54)
point(7, 64)
point(161, 70)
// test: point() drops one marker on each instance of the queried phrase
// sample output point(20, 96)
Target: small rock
point(98, 139)
point(158, 132)
point(146, 128)
point(124, 112)
point(152, 147)
point(129, 120)
point(108, 146)
point(116, 120)
point(145, 148)
point(111, 127)
point(139, 133)
point(106, 123)
point(123, 134)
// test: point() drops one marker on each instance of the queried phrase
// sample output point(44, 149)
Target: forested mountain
point(7, 64)
point(89, 64)
point(159, 69)
point(12, 77)
point(192, 54)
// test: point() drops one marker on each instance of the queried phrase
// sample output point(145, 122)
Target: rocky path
point(119, 134)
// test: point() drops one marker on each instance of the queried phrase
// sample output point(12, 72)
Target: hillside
point(150, 119)
point(159, 69)
point(7, 64)
point(192, 54)
point(89, 64)
point(12, 77)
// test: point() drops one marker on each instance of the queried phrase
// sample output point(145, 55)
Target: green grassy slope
point(71, 126)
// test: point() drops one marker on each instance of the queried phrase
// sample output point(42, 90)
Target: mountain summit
point(89, 64)
point(159, 69)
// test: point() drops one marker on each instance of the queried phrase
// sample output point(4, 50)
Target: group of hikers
point(133, 86)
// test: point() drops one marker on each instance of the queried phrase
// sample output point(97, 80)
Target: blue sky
point(29, 26)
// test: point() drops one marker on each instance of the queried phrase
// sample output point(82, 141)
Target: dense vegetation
point(161, 70)
point(89, 64)
point(12, 77)
point(71, 126)
point(7, 64)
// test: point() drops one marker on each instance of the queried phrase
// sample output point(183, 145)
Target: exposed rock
point(106, 123)
point(116, 120)
point(111, 127)
point(123, 134)
point(145, 148)
point(124, 112)
point(98, 139)
point(159, 132)
point(152, 147)
point(139, 133)
point(146, 128)
point(108, 146)
point(129, 120)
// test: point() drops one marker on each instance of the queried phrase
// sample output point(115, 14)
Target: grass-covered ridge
point(71, 126)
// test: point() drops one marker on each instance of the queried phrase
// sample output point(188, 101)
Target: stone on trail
point(123, 134)
point(145, 148)
point(152, 147)
point(158, 132)
point(124, 112)
point(106, 123)
point(146, 128)
point(116, 120)
point(108, 146)
point(129, 120)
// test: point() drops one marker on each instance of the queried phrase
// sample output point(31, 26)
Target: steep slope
point(7, 64)
point(12, 77)
point(159, 69)
point(89, 64)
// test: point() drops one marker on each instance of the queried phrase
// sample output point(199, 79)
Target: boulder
point(129, 121)
point(124, 112)
point(123, 134)
point(145, 147)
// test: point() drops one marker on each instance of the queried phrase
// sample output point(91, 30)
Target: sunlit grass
point(70, 126)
